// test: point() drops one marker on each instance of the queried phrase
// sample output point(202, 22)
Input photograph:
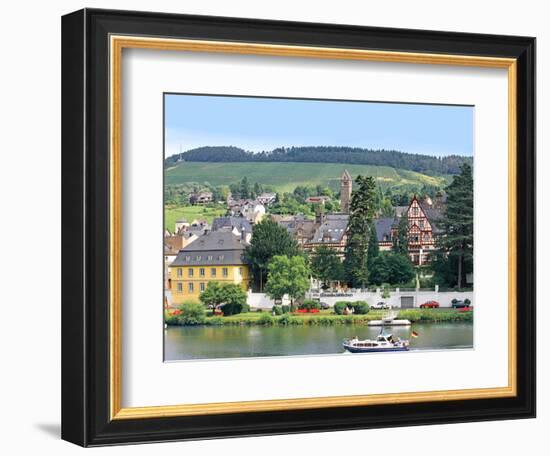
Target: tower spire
point(346, 183)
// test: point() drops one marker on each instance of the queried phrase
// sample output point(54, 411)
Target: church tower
point(346, 183)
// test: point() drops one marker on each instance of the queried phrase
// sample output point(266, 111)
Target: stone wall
point(444, 298)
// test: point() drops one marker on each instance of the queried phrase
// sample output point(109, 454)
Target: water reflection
point(207, 342)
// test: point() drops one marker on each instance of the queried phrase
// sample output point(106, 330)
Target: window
point(198, 258)
point(209, 257)
point(202, 286)
point(201, 272)
point(220, 257)
point(225, 272)
point(190, 287)
point(187, 258)
point(190, 272)
point(180, 287)
point(241, 271)
point(213, 272)
point(180, 272)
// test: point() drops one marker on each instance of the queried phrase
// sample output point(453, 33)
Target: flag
point(414, 334)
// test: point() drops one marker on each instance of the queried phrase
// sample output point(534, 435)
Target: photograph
point(268, 225)
point(297, 227)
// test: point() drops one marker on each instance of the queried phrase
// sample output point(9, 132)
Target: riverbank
point(325, 318)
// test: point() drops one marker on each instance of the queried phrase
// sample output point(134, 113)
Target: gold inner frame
point(117, 44)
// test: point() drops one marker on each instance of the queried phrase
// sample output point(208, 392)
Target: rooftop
point(213, 248)
point(240, 223)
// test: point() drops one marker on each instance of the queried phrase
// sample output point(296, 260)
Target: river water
point(208, 342)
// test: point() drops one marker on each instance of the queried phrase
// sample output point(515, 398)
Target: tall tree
point(362, 209)
point(457, 224)
point(393, 268)
point(373, 245)
point(268, 240)
point(326, 265)
point(245, 188)
point(401, 241)
point(401, 269)
point(288, 276)
point(258, 189)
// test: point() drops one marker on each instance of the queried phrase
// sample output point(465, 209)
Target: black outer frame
point(85, 227)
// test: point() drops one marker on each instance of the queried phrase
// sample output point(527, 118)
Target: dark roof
point(383, 227)
point(432, 213)
point(434, 216)
point(231, 222)
point(332, 229)
point(214, 248)
point(400, 210)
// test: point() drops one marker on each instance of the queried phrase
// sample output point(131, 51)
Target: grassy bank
point(329, 319)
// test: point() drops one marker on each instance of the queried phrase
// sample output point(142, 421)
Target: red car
point(429, 305)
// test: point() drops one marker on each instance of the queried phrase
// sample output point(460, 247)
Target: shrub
point(340, 306)
point(454, 301)
point(234, 308)
point(284, 320)
point(193, 313)
point(285, 309)
point(467, 302)
point(171, 320)
point(266, 320)
point(360, 307)
point(216, 321)
point(277, 310)
point(309, 304)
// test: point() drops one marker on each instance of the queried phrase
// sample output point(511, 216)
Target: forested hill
point(326, 154)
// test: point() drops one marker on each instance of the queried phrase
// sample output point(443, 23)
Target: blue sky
point(257, 124)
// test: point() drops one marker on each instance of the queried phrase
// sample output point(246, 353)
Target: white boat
point(383, 343)
point(389, 320)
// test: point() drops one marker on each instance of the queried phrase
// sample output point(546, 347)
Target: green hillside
point(284, 177)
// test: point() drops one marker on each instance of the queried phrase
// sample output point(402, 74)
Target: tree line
point(326, 154)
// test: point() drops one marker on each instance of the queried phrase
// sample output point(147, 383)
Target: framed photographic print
point(279, 227)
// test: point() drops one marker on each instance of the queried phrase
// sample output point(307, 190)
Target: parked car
point(458, 304)
point(324, 305)
point(429, 305)
point(380, 306)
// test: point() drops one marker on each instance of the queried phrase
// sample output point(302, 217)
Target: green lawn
point(284, 177)
point(171, 214)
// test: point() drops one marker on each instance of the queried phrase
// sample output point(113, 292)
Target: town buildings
point(331, 229)
point(422, 229)
point(215, 256)
point(201, 198)
point(267, 198)
point(251, 210)
point(198, 253)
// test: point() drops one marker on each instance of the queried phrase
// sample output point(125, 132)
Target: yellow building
point(215, 256)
